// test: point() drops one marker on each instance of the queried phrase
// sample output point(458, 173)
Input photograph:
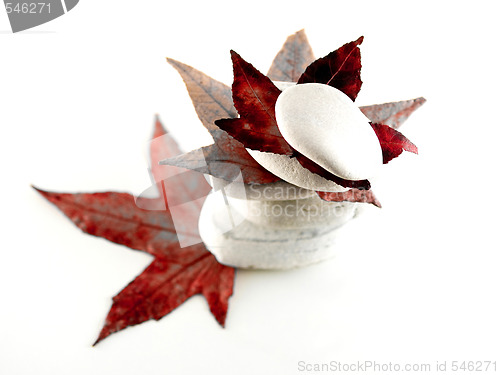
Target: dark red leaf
point(116, 217)
point(353, 195)
point(315, 168)
point(164, 285)
point(176, 273)
point(254, 96)
point(340, 69)
point(392, 114)
point(292, 59)
point(392, 142)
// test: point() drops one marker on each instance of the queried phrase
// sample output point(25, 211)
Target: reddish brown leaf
point(254, 96)
point(116, 217)
point(392, 142)
point(176, 273)
point(211, 99)
point(292, 59)
point(315, 168)
point(221, 158)
point(392, 114)
point(353, 195)
point(340, 69)
point(164, 285)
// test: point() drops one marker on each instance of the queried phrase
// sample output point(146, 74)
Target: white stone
point(290, 170)
point(272, 234)
point(285, 224)
point(325, 125)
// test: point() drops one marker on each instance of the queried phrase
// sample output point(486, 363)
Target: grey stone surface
point(264, 237)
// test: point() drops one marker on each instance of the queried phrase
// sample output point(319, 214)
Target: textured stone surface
point(246, 237)
point(322, 123)
point(290, 170)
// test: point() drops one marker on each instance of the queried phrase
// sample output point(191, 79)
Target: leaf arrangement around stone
point(238, 118)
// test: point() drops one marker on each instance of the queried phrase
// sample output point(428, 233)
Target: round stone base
point(237, 239)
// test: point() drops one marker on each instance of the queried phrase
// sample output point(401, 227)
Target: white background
point(415, 282)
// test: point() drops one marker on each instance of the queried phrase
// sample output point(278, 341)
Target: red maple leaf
point(212, 100)
point(392, 142)
point(254, 96)
point(340, 69)
point(176, 272)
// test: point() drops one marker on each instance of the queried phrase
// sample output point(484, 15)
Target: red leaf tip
point(340, 69)
point(40, 191)
point(352, 195)
point(159, 129)
point(234, 54)
point(412, 148)
point(392, 142)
